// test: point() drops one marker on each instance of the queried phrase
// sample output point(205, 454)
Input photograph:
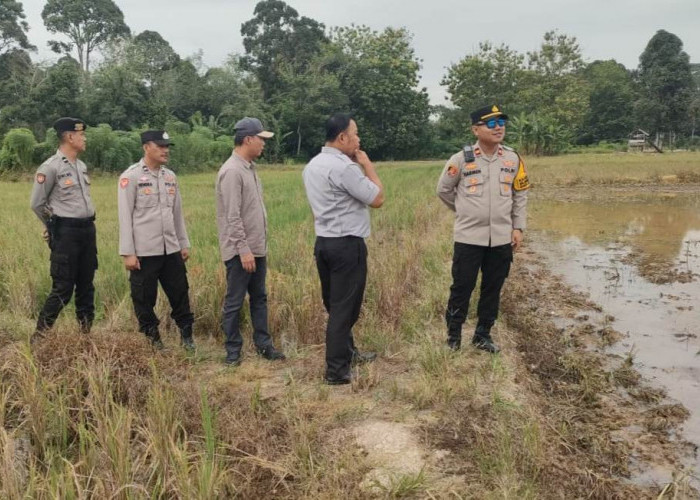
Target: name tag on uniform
point(472, 172)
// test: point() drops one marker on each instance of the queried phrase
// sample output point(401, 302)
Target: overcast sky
point(444, 31)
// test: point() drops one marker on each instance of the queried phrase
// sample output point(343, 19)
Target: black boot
point(482, 339)
point(85, 326)
point(271, 354)
point(186, 338)
point(360, 358)
point(454, 337)
point(154, 336)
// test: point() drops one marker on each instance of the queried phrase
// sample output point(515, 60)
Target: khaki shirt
point(241, 217)
point(486, 206)
point(150, 212)
point(62, 189)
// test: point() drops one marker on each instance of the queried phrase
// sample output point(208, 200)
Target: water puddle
point(640, 261)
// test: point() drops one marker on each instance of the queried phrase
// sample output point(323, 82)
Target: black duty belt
point(74, 222)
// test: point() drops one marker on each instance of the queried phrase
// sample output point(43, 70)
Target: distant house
point(639, 141)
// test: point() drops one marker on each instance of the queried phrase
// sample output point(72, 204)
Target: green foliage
point(19, 147)
point(609, 116)
point(87, 24)
point(379, 74)
point(13, 27)
point(667, 84)
point(538, 135)
point(278, 36)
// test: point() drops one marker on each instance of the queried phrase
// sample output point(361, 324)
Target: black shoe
point(187, 340)
point(359, 358)
point(271, 354)
point(485, 344)
point(337, 381)
point(85, 326)
point(233, 359)
point(36, 337)
point(188, 344)
point(454, 343)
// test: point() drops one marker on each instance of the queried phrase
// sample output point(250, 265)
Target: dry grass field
point(103, 416)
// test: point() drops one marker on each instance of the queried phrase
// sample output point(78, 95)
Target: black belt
point(74, 222)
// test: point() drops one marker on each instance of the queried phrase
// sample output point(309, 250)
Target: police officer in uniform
point(61, 200)
point(341, 184)
point(152, 238)
point(486, 186)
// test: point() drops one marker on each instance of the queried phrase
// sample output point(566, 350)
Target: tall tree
point(13, 27)
point(151, 55)
point(667, 84)
point(492, 75)
point(379, 75)
point(277, 36)
point(87, 24)
point(611, 102)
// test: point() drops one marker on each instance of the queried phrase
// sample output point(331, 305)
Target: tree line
point(295, 72)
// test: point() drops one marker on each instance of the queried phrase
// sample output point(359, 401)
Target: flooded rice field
point(638, 257)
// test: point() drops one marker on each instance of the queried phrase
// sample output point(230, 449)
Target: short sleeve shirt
point(339, 194)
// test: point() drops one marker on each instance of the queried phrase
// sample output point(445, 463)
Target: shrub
point(20, 142)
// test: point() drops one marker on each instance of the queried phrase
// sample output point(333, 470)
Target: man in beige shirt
point(486, 186)
point(242, 225)
point(152, 238)
point(61, 199)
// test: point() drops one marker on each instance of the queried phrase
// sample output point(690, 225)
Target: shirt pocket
point(146, 200)
point(474, 185)
point(68, 188)
point(506, 183)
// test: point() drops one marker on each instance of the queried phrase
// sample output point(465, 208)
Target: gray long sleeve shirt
point(339, 194)
point(62, 189)
point(151, 221)
point(241, 217)
point(482, 195)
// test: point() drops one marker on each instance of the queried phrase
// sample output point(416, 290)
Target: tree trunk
point(298, 139)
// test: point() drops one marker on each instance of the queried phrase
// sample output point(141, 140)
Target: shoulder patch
point(521, 182)
point(123, 182)
point(40, 178)
point(452, 170)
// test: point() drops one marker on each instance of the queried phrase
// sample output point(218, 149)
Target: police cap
point(160, 137)
point(483, 114)
point(67, 124)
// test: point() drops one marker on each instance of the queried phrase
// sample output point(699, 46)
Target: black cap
point(67, 124)
point(483, 114)
point(160, 137)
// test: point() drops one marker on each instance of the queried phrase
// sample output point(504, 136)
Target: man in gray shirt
point(153, 241)
point(340, 193)
point(61, 199)
point(242, 225)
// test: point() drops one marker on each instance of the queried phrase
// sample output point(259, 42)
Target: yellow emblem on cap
point(495, 109)
point(79, 127)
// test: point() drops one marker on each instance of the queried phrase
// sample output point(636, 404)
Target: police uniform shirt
point(62, 188)
point(484, 197)
point(150, 212)
point(240, 212)
point(339, 195)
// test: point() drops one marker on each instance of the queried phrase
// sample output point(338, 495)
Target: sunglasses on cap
point(501, 122)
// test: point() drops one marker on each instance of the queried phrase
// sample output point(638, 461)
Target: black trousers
point(342, 268)
point(73, 266)
point(494, 263)
point(239, 282)
point(170, 270)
